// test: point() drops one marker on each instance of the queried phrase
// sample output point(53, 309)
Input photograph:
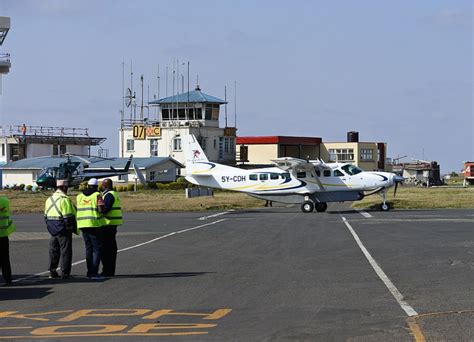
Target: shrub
point(152, 185)
point(29, 187)
point(130, 187)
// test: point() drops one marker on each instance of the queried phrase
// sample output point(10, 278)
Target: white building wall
point(12, 177)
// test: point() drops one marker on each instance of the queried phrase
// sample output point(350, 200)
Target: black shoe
point(53, 275)
point(66, 276)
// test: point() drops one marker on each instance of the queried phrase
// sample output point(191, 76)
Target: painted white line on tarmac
point(214, 215)
point(364, 213)
point(388, 283)
point(130, 247)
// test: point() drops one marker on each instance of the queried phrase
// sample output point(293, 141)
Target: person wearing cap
point(90, 220)
point(60, 217)
point(6, 228)
point(113, 218)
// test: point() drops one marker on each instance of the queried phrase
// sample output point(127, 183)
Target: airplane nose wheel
point(384, 207)
point(307, 207)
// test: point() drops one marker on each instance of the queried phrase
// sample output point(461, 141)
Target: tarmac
point(268, 274)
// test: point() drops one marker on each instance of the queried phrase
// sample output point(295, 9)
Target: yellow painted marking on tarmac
point(218, 314)
point(103, 313)
point(415, 328)
point(13, 314)
point(99, 329)
point(146, 328)
point(187, 333)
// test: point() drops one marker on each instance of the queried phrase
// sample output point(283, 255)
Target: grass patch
point(423, 198)
point(175, 200)
point(145, 200)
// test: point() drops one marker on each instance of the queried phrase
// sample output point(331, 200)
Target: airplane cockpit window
point(338, 173)
point(253, 177)
point(285, 175)
point(351, 169)
point(301, 174)
point(273, 175)
point(327, 173)
point(263, 176)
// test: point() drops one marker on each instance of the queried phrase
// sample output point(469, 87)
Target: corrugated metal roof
point(194, 96)
point(39, 163)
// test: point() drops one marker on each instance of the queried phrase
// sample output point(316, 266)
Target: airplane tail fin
point(195, 156)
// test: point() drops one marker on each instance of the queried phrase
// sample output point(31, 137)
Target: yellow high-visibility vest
point(114, 216)
point(58, 207)
point(88, 215)
point(6, 224)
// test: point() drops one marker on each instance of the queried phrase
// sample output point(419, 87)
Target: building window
point(215, 144)
point(55, 149)
point(3, 150)
point(152, 176)
point(130, 145)
point(366, 154)
point(62, 149)
point(341, 154)
point(153, 147)
point(177, 144)
point(203, 142)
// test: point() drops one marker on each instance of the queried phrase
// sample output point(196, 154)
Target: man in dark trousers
point(60, 217)
point(6, 228)
point(90, 221)
point(113, 218)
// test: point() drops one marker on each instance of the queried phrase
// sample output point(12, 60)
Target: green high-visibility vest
point(114, 216)
point(6, 224)
point(58, 207)
point(88, 215)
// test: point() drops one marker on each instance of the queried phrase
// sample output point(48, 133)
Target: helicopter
point(75, 170)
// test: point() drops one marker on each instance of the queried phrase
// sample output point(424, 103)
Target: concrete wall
point(11, 177)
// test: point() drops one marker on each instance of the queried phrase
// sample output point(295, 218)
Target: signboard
point(140, 132)
point(153, 131)
point(230, 131)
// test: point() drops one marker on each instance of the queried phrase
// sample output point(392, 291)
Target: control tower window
point(208, 112)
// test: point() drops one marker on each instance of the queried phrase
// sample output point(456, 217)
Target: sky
point(399, 72)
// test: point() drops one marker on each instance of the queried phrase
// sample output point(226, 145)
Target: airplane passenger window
point(338, 173)
point(253, 177)
point(327, 173)
point(273, 175)
point(301, 175)
point(263, 176)
point(285, 175)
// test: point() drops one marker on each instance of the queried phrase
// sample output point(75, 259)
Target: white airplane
point(311, 183)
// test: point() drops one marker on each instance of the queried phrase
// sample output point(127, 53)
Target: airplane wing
point(295, 165)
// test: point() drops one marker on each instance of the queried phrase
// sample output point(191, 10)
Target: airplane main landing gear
point(321, 207)
point(307, 207)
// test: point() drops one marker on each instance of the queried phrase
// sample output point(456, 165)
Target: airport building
point(259, 151)
point(193, 112)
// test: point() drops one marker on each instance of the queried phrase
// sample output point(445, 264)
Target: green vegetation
point(423, 198)
point(166, 198)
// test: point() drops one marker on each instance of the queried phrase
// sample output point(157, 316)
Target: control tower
point(4, 57)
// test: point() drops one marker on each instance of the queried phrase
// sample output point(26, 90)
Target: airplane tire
point(384, 207)
point(321, 207)
point(307, 207)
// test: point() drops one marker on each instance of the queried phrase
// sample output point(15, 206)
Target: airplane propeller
point(397, 179)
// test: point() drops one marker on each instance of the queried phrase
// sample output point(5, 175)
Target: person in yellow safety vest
point(60, 217)
point(6, 228)
point(113, 218)
point(90, 221)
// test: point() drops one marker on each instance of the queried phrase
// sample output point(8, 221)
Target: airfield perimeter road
point(255, 275)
